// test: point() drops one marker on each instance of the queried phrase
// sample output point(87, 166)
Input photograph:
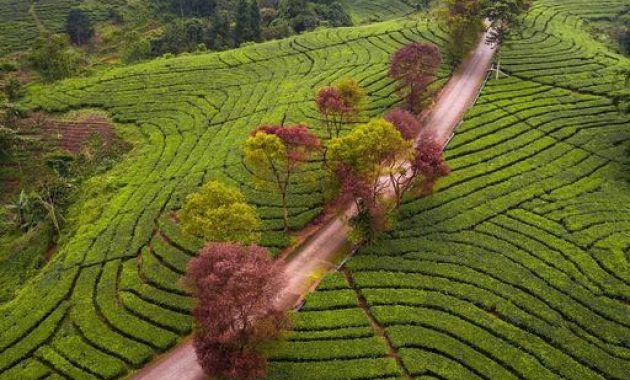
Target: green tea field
point(518, 267)
point(112, 289)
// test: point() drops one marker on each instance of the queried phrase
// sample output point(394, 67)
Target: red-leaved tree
point(334, 108)
point(415, 66)
point(235, 288)
point(429, 163)
point(421, 174)
point(406, 122)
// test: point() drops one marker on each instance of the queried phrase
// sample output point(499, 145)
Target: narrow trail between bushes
point(316, 256)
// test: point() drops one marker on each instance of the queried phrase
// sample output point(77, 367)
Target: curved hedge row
point(113, 288)
point(519, 266)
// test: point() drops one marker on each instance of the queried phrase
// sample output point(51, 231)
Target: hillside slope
point(519, 267)
point(110, 298)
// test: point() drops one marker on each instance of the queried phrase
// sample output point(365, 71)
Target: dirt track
point(317, 252)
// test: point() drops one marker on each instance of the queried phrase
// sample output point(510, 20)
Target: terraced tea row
point(20, 20)
point(519, 266)
point(362, 11)
point(113, 286)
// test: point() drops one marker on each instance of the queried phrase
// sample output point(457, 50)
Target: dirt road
point(459, 94)
point(317, 253)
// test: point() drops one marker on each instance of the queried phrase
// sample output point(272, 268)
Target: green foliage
point(522, 254)
point(247, 26)
point(21, 257)
point(79, 27)
point(366, 148)
point(352, 94)
point(464, 24)
point(52, 56)
point(187, 118)
point(13, 89)
point(220, 213)
point(137, 48)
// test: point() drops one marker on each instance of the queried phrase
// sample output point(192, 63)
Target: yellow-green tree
point(274, 153)
point(352, 94)
point(367, 163)
point(464, 24)
point(220, 213)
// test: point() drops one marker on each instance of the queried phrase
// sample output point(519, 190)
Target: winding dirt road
point(316, 255)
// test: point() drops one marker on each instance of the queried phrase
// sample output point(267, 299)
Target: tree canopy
point(220, 213)
point(275, 153)
point(235, 288)
point(415, 66)
point(79, 27)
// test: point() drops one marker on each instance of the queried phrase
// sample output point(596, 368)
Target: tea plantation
point(110, 299)
point(28, 16)
point(519, 266)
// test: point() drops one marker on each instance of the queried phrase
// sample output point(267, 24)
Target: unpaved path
point(317, 254)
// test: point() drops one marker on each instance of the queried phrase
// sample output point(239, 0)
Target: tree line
point(183, 26)
point(363, 164)
point(371, 166)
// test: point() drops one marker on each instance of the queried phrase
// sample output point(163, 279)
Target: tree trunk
point(285, 212)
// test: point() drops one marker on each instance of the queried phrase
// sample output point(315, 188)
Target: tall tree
point(334, 109)
point(220, 213)
point(352, 94)
point(220, 34)
point(339, 103)
point(415, 66)
point(463, 22)
point(52, 56)
point(429, 165)
point(247, 22)
point(255, 19)
point(505, 18)
point(275, 153)
point(362, 161)
point(193, 8)
point(235, 288)
point(79, 27)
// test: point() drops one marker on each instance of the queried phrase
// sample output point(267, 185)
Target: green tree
point(242, 29)
point(192, 8)
point(505, 19)
point(79, 27)
point(370, 149)
point(363, 165)
point(254, 12)
point(289, 9)
point(247, 22)
point(220, 213)
point(275, 154)
point(219, 33)
point(136, 48)
point(352, 94)
point(52, 56)
point(463, 22)
point(12, 89)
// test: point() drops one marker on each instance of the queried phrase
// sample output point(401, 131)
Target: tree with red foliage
point(334, 109)
point(406, 122)
point(275, 153)
point(371, 218)
point(415, 66)
point(360, 162)
point(429, 163)
point(235, 288)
